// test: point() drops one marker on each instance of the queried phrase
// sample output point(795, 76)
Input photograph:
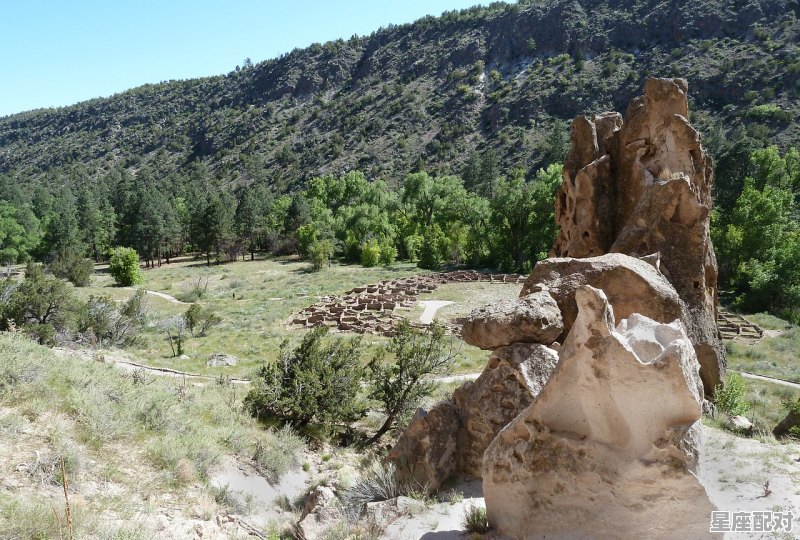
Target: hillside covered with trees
point(499, 81)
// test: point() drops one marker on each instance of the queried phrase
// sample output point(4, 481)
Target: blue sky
point(59, 52)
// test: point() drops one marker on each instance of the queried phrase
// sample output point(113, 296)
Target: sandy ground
point(440, 521)
point(256, 494)
point(431, 307)
point(732, 469)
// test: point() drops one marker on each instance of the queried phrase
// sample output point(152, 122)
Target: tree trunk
point(387, 425)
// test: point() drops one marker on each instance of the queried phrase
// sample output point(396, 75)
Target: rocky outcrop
point(784, 429)
point(597, 455)
point(426, 455)
point(643, 185)
point(631, 285)
point(453, 436)
point(321, 511)
point(533, 318)
point(513, 378)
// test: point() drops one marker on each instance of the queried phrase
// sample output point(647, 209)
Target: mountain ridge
point(504, 78)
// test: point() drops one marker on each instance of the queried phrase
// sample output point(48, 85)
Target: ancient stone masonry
point(642, 185)
point(372, 309)
point(597, 454)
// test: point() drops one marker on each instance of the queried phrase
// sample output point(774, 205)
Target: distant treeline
point(503, 222)
point(478, 219)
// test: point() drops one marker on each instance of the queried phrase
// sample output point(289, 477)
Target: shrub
point(399, 387)
point(306, 237)
point(377, 482)
point(124, 267)
point(320, 253)
point(729, 398)
point(475, 520)
point(73, 268)
point(370, 253)
point(198, 291)
point(41, 305)
point(388, 253)
point(316, 382)
point(413, 243)
point(200, 320)
point(430, 252)
point(277, 451)
point(107, 322)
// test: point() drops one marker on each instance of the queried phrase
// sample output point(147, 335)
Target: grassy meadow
point(256, 300)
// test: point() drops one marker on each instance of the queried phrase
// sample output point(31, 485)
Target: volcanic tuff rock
point(320, 512)
point(452, 437)
point(511, 381)
point(783, 429)
point(533, 318)
point(631, 285)
point(643, 185)
point(426, 452)
point(596, 455)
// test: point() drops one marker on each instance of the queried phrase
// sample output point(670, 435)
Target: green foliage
point(200, 320)
point(320, 254)
point(388, 252)
point(41, 305)
point(400, 386)
point(376, 482)
point(110, 324)
point(523, 221)
point(758, 240)
point(124, 266)
point(769, 111)
point(370, 253)
point(476, 520)
point(318, 382)
point(19, 233)
point(73, 268)
point(434, 243)
point(730, 397)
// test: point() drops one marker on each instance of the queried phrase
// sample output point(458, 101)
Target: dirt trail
point(431, 307)
point(165, 296)
point(769, 379)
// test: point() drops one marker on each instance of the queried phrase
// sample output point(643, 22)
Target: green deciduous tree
point(124, 266)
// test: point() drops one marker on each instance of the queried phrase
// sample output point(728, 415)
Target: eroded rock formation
point(533, 318)
point(511, 381)
point(452, 436)
point(426, 454)
point(643, 185)
point(601, 452)
point(631, 285)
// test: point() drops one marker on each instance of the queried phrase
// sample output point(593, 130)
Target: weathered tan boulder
point(643, 185)
point(783, 429)
point(630, 284)
point(425, 454)
point(600, 452)
point(512, 379)
point(534, 318)
point(320, 512)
